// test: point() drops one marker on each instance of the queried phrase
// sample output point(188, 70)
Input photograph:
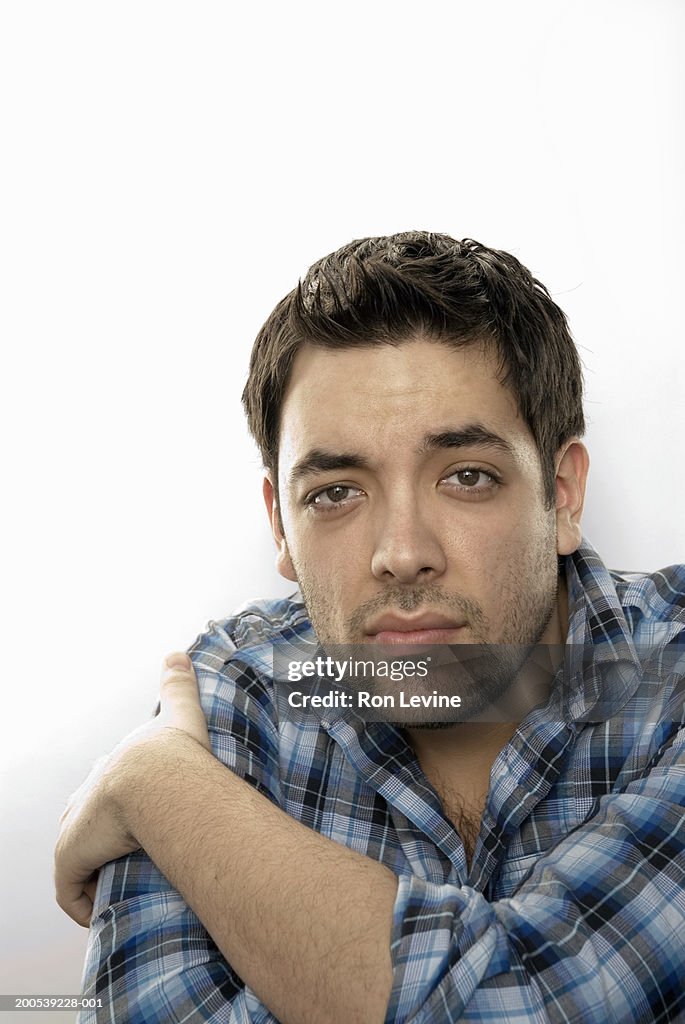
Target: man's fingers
point(76, 898)
point(90, 888)
point(79, 909)
point(179, 659)
point(180, 698)
point(177, 674)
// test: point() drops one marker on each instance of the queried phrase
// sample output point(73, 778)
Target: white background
point(168, 172)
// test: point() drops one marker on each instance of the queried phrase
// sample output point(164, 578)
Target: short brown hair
point(390, 289)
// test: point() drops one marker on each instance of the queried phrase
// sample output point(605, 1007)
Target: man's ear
point(284, 564)
point(572, 465)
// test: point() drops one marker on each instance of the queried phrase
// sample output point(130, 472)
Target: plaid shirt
point(574, 906)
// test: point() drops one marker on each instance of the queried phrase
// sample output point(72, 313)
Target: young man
point(417, 403)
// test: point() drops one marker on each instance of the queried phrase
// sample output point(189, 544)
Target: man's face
point(412, 504)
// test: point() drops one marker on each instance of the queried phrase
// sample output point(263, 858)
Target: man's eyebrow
point(318, 460)
point(321, 460)
point(472, 436)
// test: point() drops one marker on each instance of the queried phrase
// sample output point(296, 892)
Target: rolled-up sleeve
point(149, 958)
point(596, 933)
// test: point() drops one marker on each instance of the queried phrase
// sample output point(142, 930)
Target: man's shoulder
point(624, 607)
point(264, 620)
point(256, 625)
point(661, 591)
point(651, 598)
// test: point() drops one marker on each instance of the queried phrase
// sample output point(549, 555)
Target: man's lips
point(429, 628)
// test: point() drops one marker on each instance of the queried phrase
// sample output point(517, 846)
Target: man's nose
point(407, 548)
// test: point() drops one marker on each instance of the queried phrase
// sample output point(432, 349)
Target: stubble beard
point(529, 600)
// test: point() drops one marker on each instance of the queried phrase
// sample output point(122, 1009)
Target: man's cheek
point(480, 556)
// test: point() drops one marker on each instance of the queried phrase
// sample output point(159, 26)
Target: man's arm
point(596, 933)
point(149, 957)
point(305, 922)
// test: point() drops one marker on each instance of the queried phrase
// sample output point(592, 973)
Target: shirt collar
point(602, 669)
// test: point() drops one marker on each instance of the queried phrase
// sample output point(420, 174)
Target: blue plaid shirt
point(574, 906)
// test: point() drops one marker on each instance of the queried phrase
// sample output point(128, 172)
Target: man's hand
point(94, 828)
point(303, 921)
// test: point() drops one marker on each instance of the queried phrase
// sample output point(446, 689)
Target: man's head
point(416, 401)
point(388, 289)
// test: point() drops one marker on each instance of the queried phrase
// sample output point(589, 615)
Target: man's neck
point(465, 750)
point(457, 763)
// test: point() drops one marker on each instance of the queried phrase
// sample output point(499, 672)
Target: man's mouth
point(427, 628)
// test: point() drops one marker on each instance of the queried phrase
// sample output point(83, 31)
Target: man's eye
point(333, 497)
point(472, 479)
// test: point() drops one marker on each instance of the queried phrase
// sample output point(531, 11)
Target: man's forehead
point(419, 355)
point(367, 401)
